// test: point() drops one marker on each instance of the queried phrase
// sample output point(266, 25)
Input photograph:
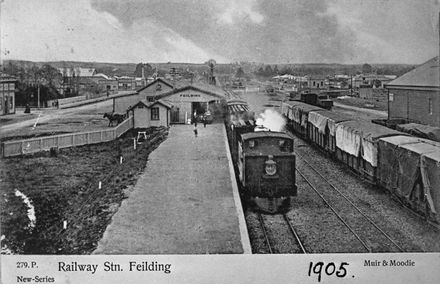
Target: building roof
point(102, 75)
point(207, 89)
point(317, 77)
point(425, 75)
point(151, 104)
point(157, 80)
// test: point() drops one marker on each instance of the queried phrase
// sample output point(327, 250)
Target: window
point(430, 105)
point(155, 113)
point(391, 97)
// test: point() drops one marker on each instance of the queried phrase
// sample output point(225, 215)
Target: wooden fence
point(33, 145)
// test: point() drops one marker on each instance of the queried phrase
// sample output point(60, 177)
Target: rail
point(34, 145)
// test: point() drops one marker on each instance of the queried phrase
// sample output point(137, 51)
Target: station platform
point(186, 201)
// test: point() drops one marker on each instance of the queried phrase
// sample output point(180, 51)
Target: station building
point(193, 100)
point(147, 114)
point(122, 103)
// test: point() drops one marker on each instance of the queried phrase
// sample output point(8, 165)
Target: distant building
point(372, 80)
point(316, 82)
point(106, 83)
point(415, 96)
point(74, 79)
point(7, 94)
point(126, 83)
point(366, 92)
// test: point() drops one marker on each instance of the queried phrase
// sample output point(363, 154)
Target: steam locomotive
point(264, 161)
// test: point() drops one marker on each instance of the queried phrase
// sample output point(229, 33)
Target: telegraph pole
point(38, 95)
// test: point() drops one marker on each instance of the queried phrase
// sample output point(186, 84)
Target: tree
point(148, 70)
point(268, 71)
point(260, 71)
point(50, 75)
point(286, 70)
point(275, 70)
point(239, 73)
point(366, 68)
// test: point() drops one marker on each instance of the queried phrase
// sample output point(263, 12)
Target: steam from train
point(271, 120)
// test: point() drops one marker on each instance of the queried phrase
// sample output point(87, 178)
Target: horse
point(114, 117)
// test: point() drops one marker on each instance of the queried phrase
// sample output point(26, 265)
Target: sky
point(266, 31)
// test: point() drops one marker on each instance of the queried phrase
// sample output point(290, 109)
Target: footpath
point(186, 201)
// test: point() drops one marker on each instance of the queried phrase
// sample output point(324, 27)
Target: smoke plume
point(271, 120)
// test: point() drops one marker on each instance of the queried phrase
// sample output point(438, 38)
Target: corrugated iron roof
point(150, 104)
point(157, 80)
point(207, 89)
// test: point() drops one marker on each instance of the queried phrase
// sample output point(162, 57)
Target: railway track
point(367, 231)
point(276, 240)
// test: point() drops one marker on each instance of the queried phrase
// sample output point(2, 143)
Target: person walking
point(204, 122)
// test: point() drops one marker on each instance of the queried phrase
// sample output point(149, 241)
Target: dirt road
point(46, 115)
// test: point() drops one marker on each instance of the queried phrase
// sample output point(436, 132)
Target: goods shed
point(356, 145)
point(193, 100)
point(410, 168)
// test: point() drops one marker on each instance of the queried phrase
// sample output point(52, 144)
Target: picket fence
point(33, 145)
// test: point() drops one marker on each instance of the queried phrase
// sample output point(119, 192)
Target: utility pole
point(351, 84)
point(38, 95)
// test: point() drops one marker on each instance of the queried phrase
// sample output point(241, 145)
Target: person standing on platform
point(195, 130)
point(204, 122)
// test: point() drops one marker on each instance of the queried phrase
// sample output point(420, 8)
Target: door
point(175, 115)
point(6, 105)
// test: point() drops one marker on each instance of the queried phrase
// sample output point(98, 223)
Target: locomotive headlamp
point(251, 144)
point(270, 166)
